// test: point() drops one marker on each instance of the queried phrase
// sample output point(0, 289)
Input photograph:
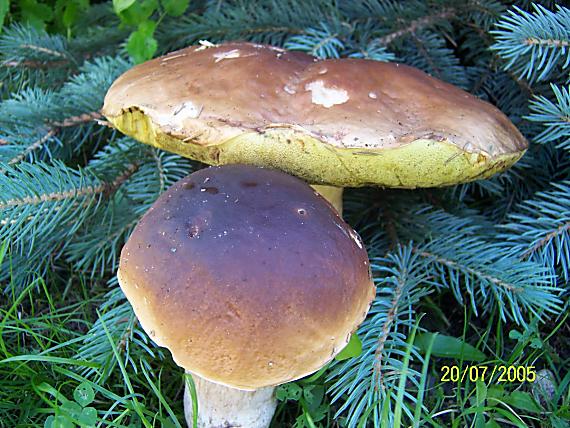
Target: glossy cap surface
point(247, 275)
point(342, 122)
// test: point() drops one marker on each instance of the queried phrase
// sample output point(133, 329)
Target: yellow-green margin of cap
point(421, 163)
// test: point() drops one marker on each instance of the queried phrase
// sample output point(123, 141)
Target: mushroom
point(251, 279)
point(334, 123)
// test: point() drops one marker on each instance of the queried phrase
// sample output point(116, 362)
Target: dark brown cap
point(342, 122)
point(247, 275)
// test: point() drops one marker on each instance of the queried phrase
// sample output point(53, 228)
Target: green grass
point(41, 335)
point(43, 382)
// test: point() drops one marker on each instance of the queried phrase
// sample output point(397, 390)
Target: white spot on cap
point(187, 110)
point(273, 48)
point(372, 95)
point(205, 44)
point(176, 117)
point(289, 90)
point(326, 97)
point(234, 53)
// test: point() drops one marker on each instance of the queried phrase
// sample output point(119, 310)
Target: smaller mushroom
point(251, 279)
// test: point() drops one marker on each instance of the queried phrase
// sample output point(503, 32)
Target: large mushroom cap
point(247, 275)
point(342, 122)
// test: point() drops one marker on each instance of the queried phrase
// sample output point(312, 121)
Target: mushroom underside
point(422, 162)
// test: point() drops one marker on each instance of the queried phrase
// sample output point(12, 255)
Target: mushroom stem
point(332, 194)
point(222, 406)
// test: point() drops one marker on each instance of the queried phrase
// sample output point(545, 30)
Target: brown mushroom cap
point(342, 122)
point(247, 275)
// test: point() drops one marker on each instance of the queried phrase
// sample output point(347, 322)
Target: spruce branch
point(366, 386)
point(21, 44)
point(453, 265)
point(73, 193)
point(559, 233)
point(118, 182)
point(257, 21)
point(41, 200)
point(539, 229)
point(390, 226)
point(34, 146)
point(30, 108)
point(431, 54)
point(68, 184)
point(79, 119)
point(547, 42)
point(33, 64)
point(370, 50)
point(415, 26)
point(91, 254)
point(50, 52)
point(52, 201)
point(52, 130)
point(158, 172)
point(534, 44)
point(492, 279)
point(65, 117)
point(323, 41)
point(541, 165)
point(155, 172)
point(391, 316)
point(553, 115)
point(482, 15)
point(133, 344)
point(463, 255)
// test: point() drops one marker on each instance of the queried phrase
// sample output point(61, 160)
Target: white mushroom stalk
point(222, 406)
point(332, 194)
